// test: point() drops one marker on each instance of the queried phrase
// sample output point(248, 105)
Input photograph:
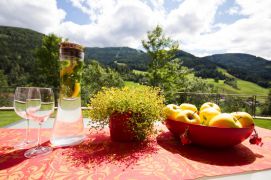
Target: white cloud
point(125, 23)
point(41, 15)
point(94, 8)
point(256, 8)
point(121, 23)
point(233, 10)
point(191, 18)
point(157, 4)
point(247, 35)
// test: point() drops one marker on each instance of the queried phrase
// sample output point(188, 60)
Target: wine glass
point(40, 105)
point(19, 105)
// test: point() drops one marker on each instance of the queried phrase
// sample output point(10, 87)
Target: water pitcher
point(69, 127)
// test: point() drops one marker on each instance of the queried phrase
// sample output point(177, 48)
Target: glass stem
point(38, 145)
point(27, 131)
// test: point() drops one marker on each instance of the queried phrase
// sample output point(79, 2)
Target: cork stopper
point(72, 50)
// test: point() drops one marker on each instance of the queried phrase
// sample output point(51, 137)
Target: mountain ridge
point(19, 44)
point(254, 69)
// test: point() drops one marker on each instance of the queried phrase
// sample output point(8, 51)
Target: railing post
point(217, 98)
point(254, 105)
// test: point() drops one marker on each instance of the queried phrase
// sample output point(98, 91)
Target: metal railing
point(253, 104)
point(7, 96)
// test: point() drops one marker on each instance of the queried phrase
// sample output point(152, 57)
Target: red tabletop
point(158, 158)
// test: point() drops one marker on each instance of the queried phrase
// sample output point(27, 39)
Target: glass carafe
point(68, 126)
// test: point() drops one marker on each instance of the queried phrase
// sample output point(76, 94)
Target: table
point(158, 158)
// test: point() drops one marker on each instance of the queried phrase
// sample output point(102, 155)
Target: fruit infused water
point(69, 127)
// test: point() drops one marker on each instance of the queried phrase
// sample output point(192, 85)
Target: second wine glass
point(40, 105)
point(19, 103)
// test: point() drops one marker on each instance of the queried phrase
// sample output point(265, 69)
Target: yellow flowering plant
point(144, 104)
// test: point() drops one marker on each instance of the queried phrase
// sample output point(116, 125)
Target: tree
point(231, 82)
point(161, 50)
point(4, 101)
point(167, 72)
point(172, 79)
point(48, 61)
point(3, 79)
point(95, 77)
point(267, 105)
point(18, 77)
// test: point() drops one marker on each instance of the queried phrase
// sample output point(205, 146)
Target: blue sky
point(222, 15)
point(202, 27)
point(75, 15)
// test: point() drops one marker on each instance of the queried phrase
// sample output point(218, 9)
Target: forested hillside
point(202, 68)
point(17, 60)
point(17, 46)
point(244, 66)
point(135, 59)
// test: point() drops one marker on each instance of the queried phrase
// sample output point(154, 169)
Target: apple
point(187, 106)
point(225, 120)
point(207, 114)
point(188, 116)
point(210, 104)
point(172, 111)
point(244, 118)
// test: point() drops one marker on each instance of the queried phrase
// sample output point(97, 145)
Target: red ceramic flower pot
point(209, 136)
point(120, 130)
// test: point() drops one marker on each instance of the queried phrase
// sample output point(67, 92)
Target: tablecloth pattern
point(161, 157)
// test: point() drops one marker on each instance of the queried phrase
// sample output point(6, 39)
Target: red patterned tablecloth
point(159, 158)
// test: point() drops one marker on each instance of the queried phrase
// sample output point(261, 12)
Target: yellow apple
point(207, 114)
point(244, 118)
point(187, 106)
point(210, 104)
point(172, 111)
point(225, 120)
point(188, 116)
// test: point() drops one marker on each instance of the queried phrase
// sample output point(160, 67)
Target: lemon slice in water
point(76, 90)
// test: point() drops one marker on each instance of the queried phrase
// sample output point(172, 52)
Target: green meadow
point(8, 117)
point(244, 87)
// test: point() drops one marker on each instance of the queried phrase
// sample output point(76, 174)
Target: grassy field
point(130, 83)
point(8, 117)
point(139, 72)
point(224, 71)
point(264, 123)
point(244, 87)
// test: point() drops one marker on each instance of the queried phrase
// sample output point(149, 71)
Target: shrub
point(143, 103)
